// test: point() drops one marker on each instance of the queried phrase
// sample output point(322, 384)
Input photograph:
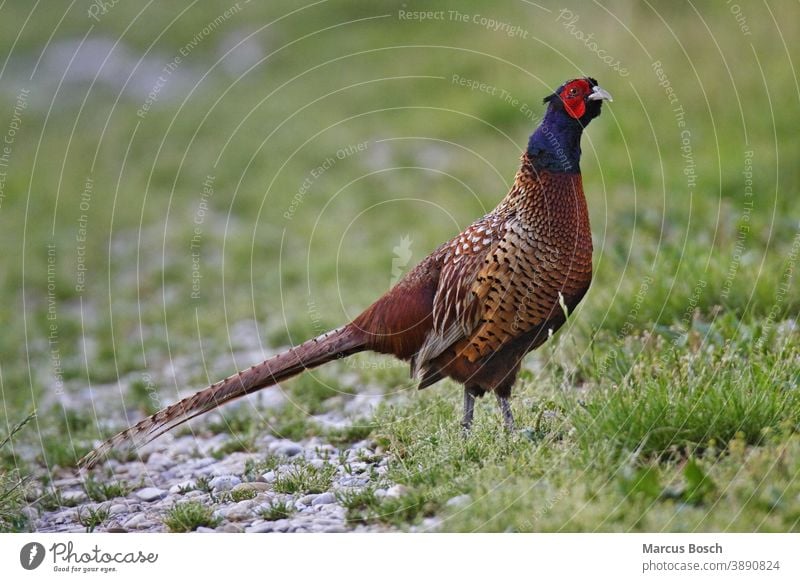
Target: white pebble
point(151, 494)
point(224, 482)
point(396, 491)
point(324, 499)
point(458, 501)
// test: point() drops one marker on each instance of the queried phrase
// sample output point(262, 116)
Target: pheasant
point(476, 305)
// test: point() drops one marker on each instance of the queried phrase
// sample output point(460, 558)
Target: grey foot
point(505, 408)
point(469, 409)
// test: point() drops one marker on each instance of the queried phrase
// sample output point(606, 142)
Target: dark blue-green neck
point(555, 146)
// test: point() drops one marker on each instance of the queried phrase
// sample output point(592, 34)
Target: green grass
point(679, 368)
point(243, 494)
point(188, 516)
point(278, 509)
point(91, 517)
point(105, 489)
point(12, 484)
point(303, 478)
point(693, 442)
point(253, 469)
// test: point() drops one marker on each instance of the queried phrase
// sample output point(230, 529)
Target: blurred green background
point(281, 163)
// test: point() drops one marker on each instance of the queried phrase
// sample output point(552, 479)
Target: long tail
point(335, 344)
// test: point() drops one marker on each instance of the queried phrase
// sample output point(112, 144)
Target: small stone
point(240, 512)
point(380, 493)
point(230, 528)
point(352, 481)
point(324, 499)
point(204, 529)
point(151, 494)
point(183, 487)
point(118, 508)
point(230, 466)
point(33, 494)
point(224, 482)
point(458, 501)
point(287, 448)
point(68, 515)
point(252, 486)
point(265, 527)
point(269, 477)
point(73, 497)
point(67, 482)
point(331, 528)
point(158, 460)
point(307, 499)
point(396, 491)
point(317, 463)
point(334, 511)
point(30, 513)
point(136, 522)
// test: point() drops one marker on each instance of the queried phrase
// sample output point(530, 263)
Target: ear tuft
point(549, 98)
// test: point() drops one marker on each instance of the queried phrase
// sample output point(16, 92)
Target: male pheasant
point(475, 306)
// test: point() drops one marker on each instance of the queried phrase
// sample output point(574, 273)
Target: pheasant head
point(555, 145)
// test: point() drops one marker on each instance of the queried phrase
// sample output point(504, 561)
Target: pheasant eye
point(573, 92)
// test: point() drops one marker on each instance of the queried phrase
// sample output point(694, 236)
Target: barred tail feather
point(329, 346)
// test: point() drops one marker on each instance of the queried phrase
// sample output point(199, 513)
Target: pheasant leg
point(469, 409)
point(505, 408)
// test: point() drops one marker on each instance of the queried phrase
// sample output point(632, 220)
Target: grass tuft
point(91, 517)
point(188, 516)
point(12, 497)
point(277, 510)
point(303, 478)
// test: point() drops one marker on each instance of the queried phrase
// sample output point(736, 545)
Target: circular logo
point(31, 555)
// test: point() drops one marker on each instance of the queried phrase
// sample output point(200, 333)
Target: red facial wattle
point(573, 97)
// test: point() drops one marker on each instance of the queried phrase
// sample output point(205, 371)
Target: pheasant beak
point(598, 94)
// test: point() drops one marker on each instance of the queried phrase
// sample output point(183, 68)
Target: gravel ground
point(185, 465)
point(175, 470)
